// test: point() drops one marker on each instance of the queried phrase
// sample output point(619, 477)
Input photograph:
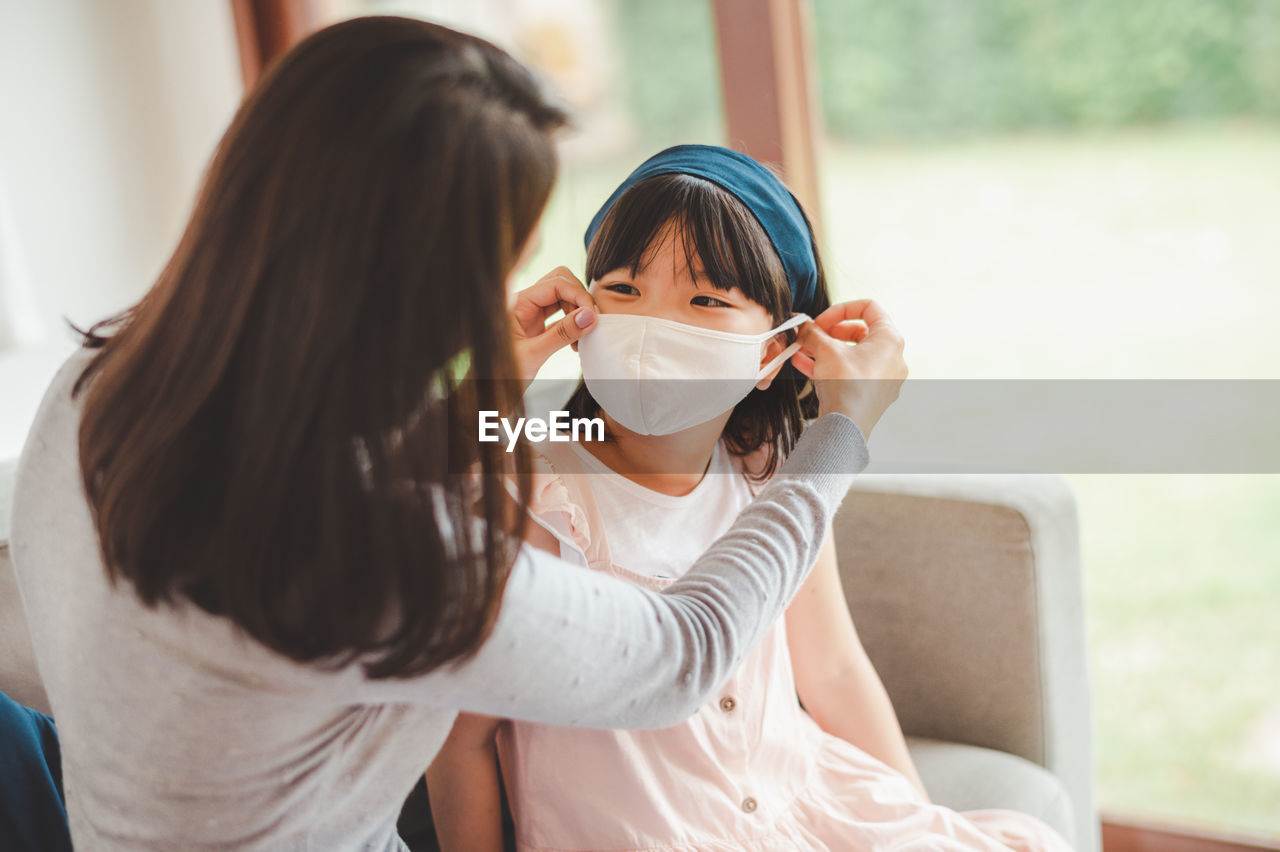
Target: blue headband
point(755, 186)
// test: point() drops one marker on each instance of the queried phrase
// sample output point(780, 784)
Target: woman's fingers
point(850, 331)
point(859, 381)
point(837, 331)
point(813, 340)
point(536, 341)
point(531, 307)
point(868, 311)
point(568, 329)
point(803, 362)
point(558, 290)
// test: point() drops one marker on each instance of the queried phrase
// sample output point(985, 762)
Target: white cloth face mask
point(658, 376)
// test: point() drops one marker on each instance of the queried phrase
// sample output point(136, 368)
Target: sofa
point(966, 591)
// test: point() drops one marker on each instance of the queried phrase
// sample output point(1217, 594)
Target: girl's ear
point(771, 350)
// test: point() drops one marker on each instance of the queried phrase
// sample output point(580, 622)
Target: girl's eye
point(624, 289)
point(709, 302)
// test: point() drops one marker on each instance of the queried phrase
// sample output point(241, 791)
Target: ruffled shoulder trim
point(550, 494)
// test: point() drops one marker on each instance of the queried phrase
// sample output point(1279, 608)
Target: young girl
point(697, 264)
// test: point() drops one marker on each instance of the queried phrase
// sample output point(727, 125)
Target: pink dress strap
point(562, 484)
point(749, 772)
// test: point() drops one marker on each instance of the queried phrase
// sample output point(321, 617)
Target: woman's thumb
point(817, 341)
point(569, 329)
point(814, 343)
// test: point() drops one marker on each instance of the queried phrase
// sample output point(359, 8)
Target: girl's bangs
point(723, 243)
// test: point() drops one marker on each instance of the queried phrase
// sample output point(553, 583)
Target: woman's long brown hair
point(278, 432)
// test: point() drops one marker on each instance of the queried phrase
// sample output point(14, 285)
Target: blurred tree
point(671, 73)
point(929, 68)
point(941, 67)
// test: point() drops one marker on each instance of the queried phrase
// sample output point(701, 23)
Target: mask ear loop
point(797, 320)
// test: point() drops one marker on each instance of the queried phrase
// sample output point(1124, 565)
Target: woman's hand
point(535, 340)
point(858, 381)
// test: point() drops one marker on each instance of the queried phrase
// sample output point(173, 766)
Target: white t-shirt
point(657, 534)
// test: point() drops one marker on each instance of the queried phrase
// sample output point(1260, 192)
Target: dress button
point(727, 704)
point(749, 805)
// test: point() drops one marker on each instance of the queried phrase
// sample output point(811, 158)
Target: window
point(1092, 190)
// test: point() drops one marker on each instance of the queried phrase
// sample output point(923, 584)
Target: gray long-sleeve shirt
point(180, 732)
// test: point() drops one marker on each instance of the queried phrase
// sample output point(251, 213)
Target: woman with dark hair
point(264, 557)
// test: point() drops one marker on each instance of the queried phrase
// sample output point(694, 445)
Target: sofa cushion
point(972, 778)
point(19, 678)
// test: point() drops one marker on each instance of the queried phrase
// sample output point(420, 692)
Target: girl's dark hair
point(717, 229)
point(278, 431)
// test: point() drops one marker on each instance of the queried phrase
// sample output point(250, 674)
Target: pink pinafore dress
point(750, 771)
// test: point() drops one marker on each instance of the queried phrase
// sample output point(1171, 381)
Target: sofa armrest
point(19, 677)
point(967, 593)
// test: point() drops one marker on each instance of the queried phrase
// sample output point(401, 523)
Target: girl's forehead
point(666, 269)
point(668, 253)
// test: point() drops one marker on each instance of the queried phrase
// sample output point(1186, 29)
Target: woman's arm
point(576, 647)
point(834, 677)
point(463, 783)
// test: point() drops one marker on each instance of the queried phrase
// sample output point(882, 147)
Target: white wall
point(109, 111)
